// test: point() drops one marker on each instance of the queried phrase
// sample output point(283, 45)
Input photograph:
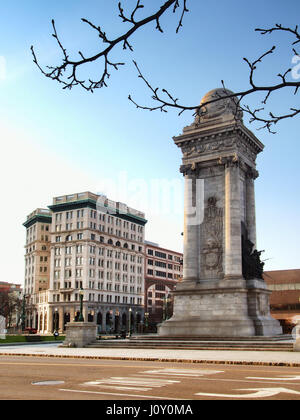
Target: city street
point(37, 378)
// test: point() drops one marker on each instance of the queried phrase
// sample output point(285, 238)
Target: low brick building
point(285, 297)
point(163, 270)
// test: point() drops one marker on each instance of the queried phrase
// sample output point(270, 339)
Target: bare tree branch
point(167, 101)
point(272, 120)
point(66, 72)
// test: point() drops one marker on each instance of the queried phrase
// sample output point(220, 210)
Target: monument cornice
point(217, 134)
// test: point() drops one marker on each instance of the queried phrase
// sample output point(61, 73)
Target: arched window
point(118, 243)
point(110, 242)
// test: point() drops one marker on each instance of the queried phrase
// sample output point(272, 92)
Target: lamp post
point(81, 294)
point(23, 313)
point(117, 320)
point(129, 322)
point(56, 319)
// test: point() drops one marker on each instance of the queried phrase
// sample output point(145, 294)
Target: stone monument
point(80, 334)
point(222, 293)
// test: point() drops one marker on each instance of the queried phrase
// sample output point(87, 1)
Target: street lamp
point(56, 319)
point(117, 320)
point(23, 312)
point(81, 294)
point(129, 322)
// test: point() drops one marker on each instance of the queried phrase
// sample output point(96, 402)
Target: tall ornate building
point(95, 245)
point(37, 266)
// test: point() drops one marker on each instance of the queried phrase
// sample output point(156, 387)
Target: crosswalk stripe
point(131, 383)
point(183, 372)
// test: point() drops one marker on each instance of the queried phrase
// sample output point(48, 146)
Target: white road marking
point(120, 388)
point(152, 397)
point(282, 378)
point(184, 372)
point(48, 383)
point(133, 383)
point(259, 393)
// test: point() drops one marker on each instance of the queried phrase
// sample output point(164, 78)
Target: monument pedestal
point(222, 293)
point(209, 309)
point(79, 334)
point(296, 345)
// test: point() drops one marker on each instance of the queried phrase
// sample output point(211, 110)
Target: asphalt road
point(42, 378)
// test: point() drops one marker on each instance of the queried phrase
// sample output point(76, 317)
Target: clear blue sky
point(58, 142)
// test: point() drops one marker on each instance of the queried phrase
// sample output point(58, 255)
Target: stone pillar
point(43, 320)
point(38, 320)
point(85, 313)
point(250, 208)
point(72, 313)
point(61, 318)
point(233, 247)
point(191, 231)
point(50, 319)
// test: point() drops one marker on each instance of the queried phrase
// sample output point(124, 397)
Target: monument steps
point(247, 344)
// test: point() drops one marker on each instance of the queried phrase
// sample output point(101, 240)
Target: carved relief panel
point(212, 241)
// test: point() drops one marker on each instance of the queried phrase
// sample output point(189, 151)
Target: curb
point(154, 359)
point(28, 343)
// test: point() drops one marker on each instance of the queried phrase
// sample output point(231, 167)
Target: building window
point(160, 254)
point(160, 274)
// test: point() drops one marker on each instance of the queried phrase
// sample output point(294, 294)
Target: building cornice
point(74, 205)
point(37, 218)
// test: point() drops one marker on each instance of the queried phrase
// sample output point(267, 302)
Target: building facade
point(95, 245)
point(37, 265)
point(163, 270)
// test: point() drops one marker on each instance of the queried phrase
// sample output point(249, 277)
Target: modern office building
point(163, 270)
point(91, 244)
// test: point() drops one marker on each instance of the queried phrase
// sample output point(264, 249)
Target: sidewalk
point(265, 358)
